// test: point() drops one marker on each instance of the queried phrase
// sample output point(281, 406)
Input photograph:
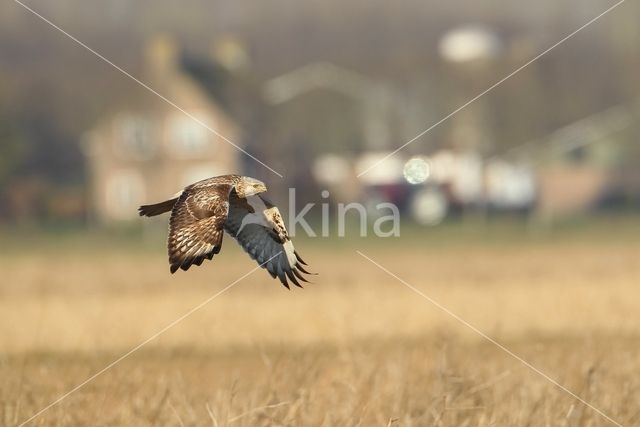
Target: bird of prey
point(232, 203)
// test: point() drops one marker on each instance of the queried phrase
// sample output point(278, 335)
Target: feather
point(204, 210)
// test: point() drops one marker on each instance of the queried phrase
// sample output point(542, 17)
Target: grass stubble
point(355, 349)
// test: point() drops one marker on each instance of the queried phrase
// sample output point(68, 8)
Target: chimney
point(230, 52)
point(162, 56)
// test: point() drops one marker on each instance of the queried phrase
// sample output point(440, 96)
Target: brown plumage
point(232, 203)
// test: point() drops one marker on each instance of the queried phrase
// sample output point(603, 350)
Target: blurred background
point(524, 221)
point(322, 88)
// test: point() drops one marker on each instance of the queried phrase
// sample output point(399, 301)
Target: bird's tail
point(158, 208)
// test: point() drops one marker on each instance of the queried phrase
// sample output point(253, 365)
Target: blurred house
point(373, 98)
point(581, 165)
point(148, 149)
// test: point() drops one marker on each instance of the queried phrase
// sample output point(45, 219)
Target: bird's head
point(249, 186)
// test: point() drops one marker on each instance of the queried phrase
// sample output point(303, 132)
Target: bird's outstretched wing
point(196, 225)
point(258, 227)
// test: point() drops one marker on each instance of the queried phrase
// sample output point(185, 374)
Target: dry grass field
point(357, 348)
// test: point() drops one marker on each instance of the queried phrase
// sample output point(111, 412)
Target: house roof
point(165, 84)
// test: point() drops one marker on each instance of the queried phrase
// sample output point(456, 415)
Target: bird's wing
point(196, 225)
point(258, 227)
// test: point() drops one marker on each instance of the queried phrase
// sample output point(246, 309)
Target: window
point(577, 155)
point(135, 138)
point(188, 137)
point(124, 193)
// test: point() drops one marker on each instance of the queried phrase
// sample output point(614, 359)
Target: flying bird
point(203, 211)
